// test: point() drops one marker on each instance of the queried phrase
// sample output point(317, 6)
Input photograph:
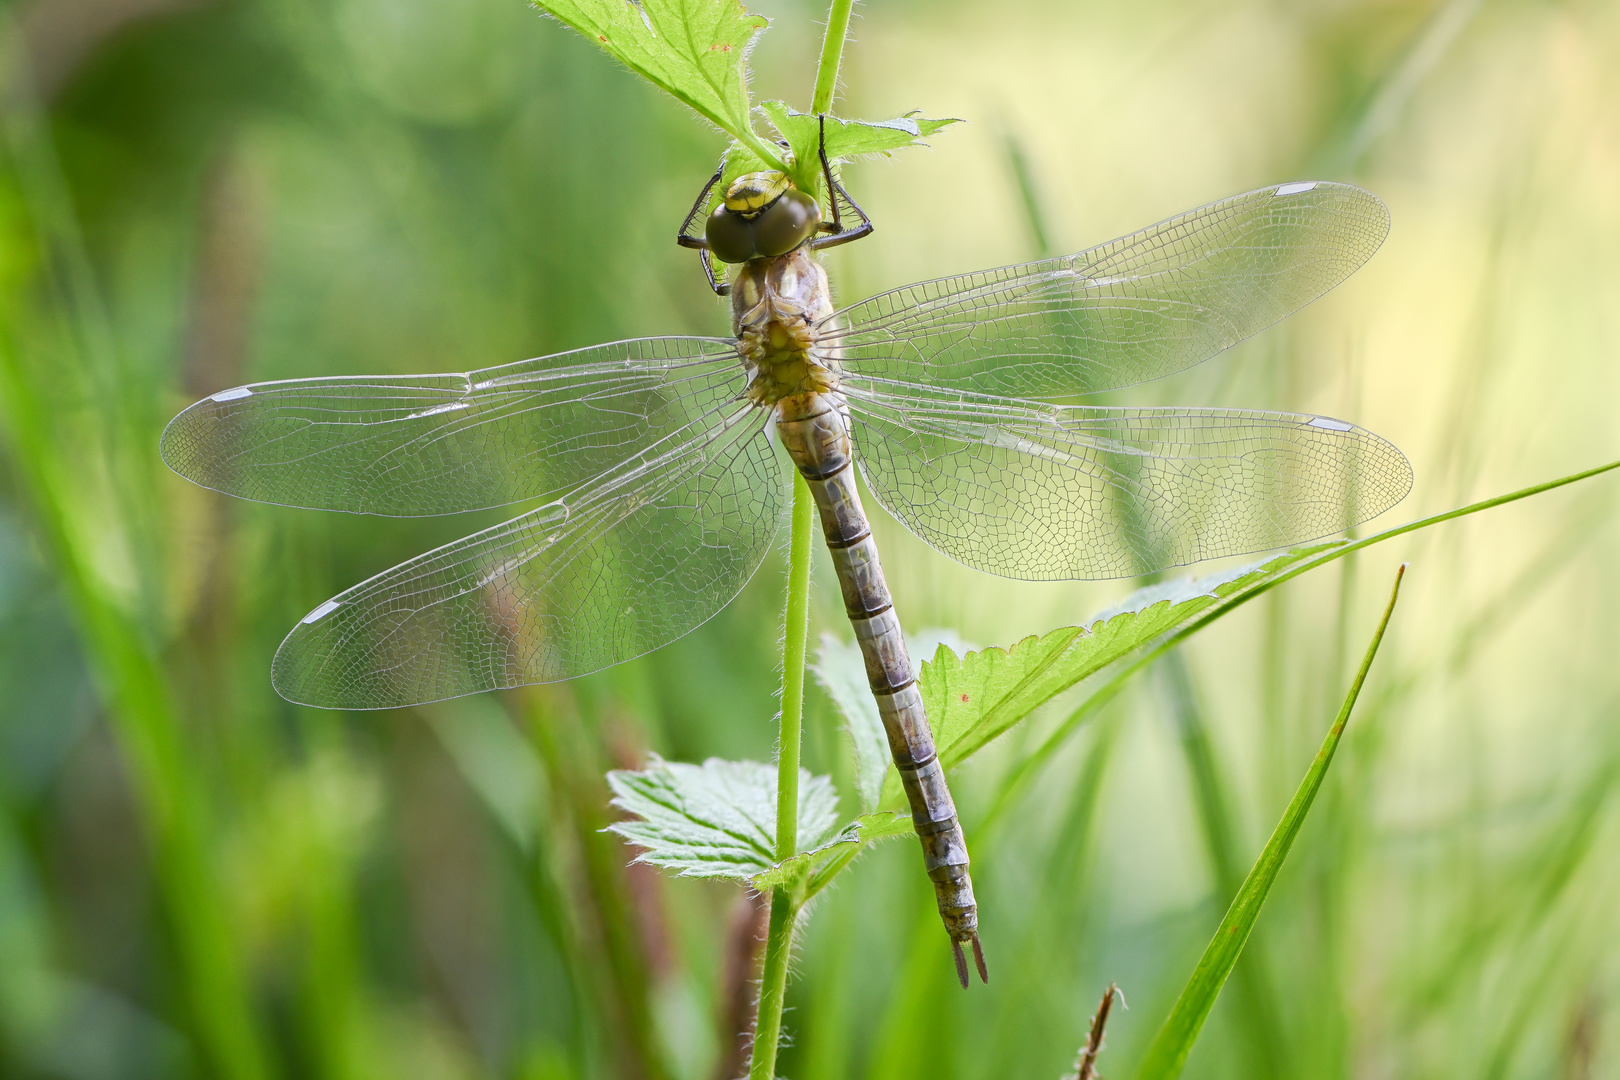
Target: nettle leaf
point(819, 865)
point(695, 50)
point(973, 698)
point(842, 673)
point(717, 819)
point(846, 140)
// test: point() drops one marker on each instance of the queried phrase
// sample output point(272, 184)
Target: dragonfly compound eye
point(786, 223)
point(730, 236)
point(761, 216)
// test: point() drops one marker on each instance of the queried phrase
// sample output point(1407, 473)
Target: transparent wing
point(626, 564)
point(421, 445)
point(1046, 492)
point(1134, 309)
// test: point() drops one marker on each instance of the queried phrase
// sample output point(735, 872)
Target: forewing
point(421, 445)
point(1133, 309)
point(617, 569)
point(1044, 492)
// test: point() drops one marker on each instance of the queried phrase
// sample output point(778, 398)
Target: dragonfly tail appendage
point(815, 430)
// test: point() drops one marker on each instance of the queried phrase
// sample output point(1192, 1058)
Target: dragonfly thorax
point(777, 306)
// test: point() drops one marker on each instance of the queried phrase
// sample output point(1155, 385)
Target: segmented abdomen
point(815, 430)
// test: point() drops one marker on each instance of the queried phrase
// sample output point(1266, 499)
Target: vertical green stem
point(773, 986)
point(832, 53)
point(793, 651)
point(784, 899)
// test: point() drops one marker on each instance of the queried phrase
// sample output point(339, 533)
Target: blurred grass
point(199, 880)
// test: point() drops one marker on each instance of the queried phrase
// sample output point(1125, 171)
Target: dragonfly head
point(762, 216)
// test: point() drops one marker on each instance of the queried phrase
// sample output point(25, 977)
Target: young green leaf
point(846, 139)
point(717, 819)
point(1175, 1039)
point(818, 866)
point(1288, 567)
point(973, 698)
point(842, 673)
point(694, 50)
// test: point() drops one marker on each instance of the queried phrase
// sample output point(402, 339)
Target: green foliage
point(810, 871)
point(115, 633)
point(694, 50)
point(841, 672)
point(974, 698)
point(718, 820)
point(1168, 1053)
point(697, 52)
point(847, 140)
point(265, 190)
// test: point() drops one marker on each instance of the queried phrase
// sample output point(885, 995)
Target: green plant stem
point(832, 55)
point(1174, 1041)
point(785, 898)
point(794, 641)
point(773, 985)
point(761, 149)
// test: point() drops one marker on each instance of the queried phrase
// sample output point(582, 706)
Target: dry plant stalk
point(1085, 1066)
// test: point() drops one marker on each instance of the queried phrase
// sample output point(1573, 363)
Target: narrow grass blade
point(1168, 1052)
point(214, 982)
point(1274, 572)
point(1261, 1027)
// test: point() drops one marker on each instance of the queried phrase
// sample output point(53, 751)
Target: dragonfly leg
point(686, 240)
point(834, 190)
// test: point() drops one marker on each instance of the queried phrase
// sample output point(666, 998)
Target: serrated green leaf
point(842, 673)
point(846, 139)
point(717, 819)
point(818, 866)
point(694, 50)
point(973, 698)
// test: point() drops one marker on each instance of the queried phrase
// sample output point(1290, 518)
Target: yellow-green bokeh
point(197, 879)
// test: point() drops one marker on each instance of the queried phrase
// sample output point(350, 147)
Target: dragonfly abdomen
point(815, 430)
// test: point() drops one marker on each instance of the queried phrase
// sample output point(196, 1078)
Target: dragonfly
point(652, 464)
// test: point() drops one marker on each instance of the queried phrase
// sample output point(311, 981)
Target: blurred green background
point(199, 880)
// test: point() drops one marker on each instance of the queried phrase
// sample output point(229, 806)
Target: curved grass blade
point(978, 696)
point(1011, 686)
point(1168, 1052)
